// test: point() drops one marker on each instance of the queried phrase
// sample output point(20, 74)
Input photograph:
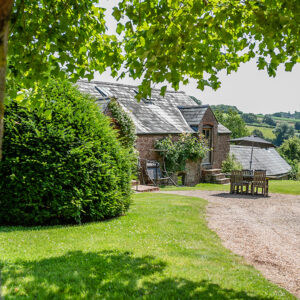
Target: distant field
point(267, 132)
point(281, 120)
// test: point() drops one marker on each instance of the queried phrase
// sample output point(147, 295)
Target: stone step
point(218, 176)
point(211, 171)
point(223, 181)
point(145, 188)
point(134, 182)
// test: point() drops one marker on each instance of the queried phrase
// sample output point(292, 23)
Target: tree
point(51, 38)
point(297, 115)
point(283, 132)
point(269, 120)
point(233, 121)
point(297, 125)
point(159, 40)
point(225, 108)
point(258, 133)
point(290, 149)
point(250, 118)
point(5, 11)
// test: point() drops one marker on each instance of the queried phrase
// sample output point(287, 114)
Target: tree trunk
point(5, 11)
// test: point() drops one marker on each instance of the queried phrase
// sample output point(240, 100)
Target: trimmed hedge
point(62, 163)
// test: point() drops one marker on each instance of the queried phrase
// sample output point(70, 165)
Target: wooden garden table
point(249, 178)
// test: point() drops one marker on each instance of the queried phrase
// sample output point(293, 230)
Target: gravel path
point(266, 231)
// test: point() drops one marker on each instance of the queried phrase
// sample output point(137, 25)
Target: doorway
point(207, 133)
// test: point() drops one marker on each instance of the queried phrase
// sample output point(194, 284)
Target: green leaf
point(163, 90)
point(289, 66)
point(116, 13)
point(120, 28)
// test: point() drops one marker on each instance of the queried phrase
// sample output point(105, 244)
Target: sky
point(249, 89)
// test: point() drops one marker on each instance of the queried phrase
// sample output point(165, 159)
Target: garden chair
point(247, 175)
point(155, 175)
point(236, 182)
point(260, 181)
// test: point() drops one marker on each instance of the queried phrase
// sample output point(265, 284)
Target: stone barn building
point(171, 115)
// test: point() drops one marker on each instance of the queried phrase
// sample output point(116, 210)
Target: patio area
point(265, 231)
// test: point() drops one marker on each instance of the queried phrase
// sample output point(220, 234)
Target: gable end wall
point(220, 142)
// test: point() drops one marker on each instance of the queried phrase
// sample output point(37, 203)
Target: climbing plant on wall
point(124, 124)
point(176, 153)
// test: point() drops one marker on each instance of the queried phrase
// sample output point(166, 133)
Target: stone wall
point(193, 172)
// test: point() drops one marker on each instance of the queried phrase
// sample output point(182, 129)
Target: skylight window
point(148, 100)
point(103, 91)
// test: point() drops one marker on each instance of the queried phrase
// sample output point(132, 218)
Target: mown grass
point(275, 186)
point(162, 249)
point(267, 132)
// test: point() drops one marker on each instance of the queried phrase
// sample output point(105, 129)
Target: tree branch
point(15, 18)
point(5, 13)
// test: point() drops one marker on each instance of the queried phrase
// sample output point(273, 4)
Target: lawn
point(267, 132)
point(275, 186)
point(162, 249)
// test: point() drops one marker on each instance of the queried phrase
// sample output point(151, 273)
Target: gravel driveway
point(266, 231)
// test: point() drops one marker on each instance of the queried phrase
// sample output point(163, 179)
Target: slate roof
point(222, 129)
point(193, 114)
point(158, 115)
point(263, 159)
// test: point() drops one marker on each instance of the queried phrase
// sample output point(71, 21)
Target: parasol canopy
point(253, 141)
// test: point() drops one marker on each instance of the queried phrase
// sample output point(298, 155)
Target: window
point(103, 91)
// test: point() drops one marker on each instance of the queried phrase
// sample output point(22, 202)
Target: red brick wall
point(145, 145)
point(209, 119)
point(223, 148)
point(220, 143)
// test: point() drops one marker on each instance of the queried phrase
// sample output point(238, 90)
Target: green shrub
point(62, 163)
point(230, 163)
point(295, 171)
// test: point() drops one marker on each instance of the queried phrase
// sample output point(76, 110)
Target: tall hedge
point(61, 163)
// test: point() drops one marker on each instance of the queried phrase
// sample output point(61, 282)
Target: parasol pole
point(251, 157)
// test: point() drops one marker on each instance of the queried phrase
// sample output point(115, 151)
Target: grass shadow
point(12, 228)
point(239, 196)
point(105, 275)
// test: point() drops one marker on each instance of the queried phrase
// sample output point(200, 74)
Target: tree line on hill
point(254, 118)
point(288, 144)
point(295, 115)
point(281, 130)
